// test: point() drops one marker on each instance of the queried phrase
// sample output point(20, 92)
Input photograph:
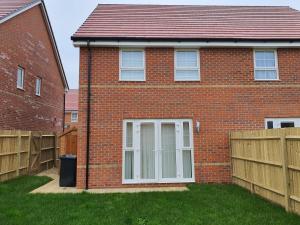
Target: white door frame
point(158, 170)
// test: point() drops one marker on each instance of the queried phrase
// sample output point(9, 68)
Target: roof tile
point(8, 7)
point(191, 22)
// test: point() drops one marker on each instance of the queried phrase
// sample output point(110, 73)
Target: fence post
point(19, 145)
point(285, 172)
point(29, 152)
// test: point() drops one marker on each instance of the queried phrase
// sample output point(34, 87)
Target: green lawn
point(203, 204)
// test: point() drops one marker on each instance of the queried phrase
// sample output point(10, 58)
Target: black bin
point(67, 171)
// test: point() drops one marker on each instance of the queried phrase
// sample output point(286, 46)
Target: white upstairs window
point(20, 78)
point(265, 65)
point(132, 65)
point(74, 117)
point(187, 65)
point(38, 85)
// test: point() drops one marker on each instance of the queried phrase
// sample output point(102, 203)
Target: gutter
point(89, 63)
point(188, 43)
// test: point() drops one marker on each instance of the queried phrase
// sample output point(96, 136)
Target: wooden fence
point(26, 152)
point(68, 142)
point(267, 162)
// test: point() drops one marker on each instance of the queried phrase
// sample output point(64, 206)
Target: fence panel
point(267, 162)
point(68, 142)
point(25, 152)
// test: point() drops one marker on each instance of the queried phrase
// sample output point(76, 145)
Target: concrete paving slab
point(53, 187)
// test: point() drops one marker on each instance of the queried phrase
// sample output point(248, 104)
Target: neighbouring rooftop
point(8, 7)
point(134, 22)
point(72, 100)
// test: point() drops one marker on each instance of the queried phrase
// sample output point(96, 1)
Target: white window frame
point(76, 120)
point(266, 68)
point(132, 68)
point(179, 151)
point(277, 122)
point(23, 77)
point(187, 68)
point(38, 86)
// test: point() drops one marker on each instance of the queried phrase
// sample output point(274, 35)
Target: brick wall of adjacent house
point(227, 98)
point(24, 41)
point(68, 123)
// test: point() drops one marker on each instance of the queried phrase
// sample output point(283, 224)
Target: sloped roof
point(72, 100)
point(11, 8)
point(133, 22)
point(8, 7)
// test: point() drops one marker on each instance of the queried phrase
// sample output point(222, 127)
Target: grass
point(203, 204)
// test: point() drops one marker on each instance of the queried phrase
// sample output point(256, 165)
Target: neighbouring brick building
point(168, 83)
point(32, 79)
point(71, 109)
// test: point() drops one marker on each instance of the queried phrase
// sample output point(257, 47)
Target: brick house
point(32, 79)
point(71, 109)
point(161, 87)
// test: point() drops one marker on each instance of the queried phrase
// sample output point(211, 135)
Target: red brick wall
point(227, 98)
point(24, 41)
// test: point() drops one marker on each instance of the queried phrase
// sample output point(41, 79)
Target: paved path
point(53, 187)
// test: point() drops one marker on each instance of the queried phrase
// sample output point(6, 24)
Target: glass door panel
point(147, 144)
point(168, 150)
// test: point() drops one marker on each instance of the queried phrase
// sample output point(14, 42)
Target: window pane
point(74, 117)
point(270, 55)
point(186, 134)
point(270, 124)
point(38, 86)
point(187, 164)
point(287, 124)
point(259, 55)
point(147, 151)
point(20, 77)
point(129, 133)
point(168, 145)
point(129, 159)
point(260, 63)
point(186, 59)
point(270, 63)
point(132, 59)
point(187, 75)
point(266, 74)
point(132, 75)
point(265, 59)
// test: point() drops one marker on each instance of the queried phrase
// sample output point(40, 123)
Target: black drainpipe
point(88, 116)
point(64, 111)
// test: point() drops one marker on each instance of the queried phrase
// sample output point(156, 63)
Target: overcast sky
point(67, 15)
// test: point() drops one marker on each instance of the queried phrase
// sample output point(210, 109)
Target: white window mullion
point(137, 149)
point(157, 151)
point(179, 144)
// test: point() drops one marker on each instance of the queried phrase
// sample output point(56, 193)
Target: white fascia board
point(12, 15)
point(186, 44)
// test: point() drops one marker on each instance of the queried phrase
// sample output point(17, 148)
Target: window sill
point(21, 89)
point(275, 80)
point(187, 80)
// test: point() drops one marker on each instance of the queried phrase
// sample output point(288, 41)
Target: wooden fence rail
point(26, 152)
point(267, 162)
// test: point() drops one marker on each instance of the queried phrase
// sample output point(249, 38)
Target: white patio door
point(157, 151)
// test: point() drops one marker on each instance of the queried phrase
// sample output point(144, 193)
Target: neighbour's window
point(20, 78)
point(38, 84)
point(132, 65)
point(187, 65)
point(74, 117)
point(265, 63)
point(282, 123)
